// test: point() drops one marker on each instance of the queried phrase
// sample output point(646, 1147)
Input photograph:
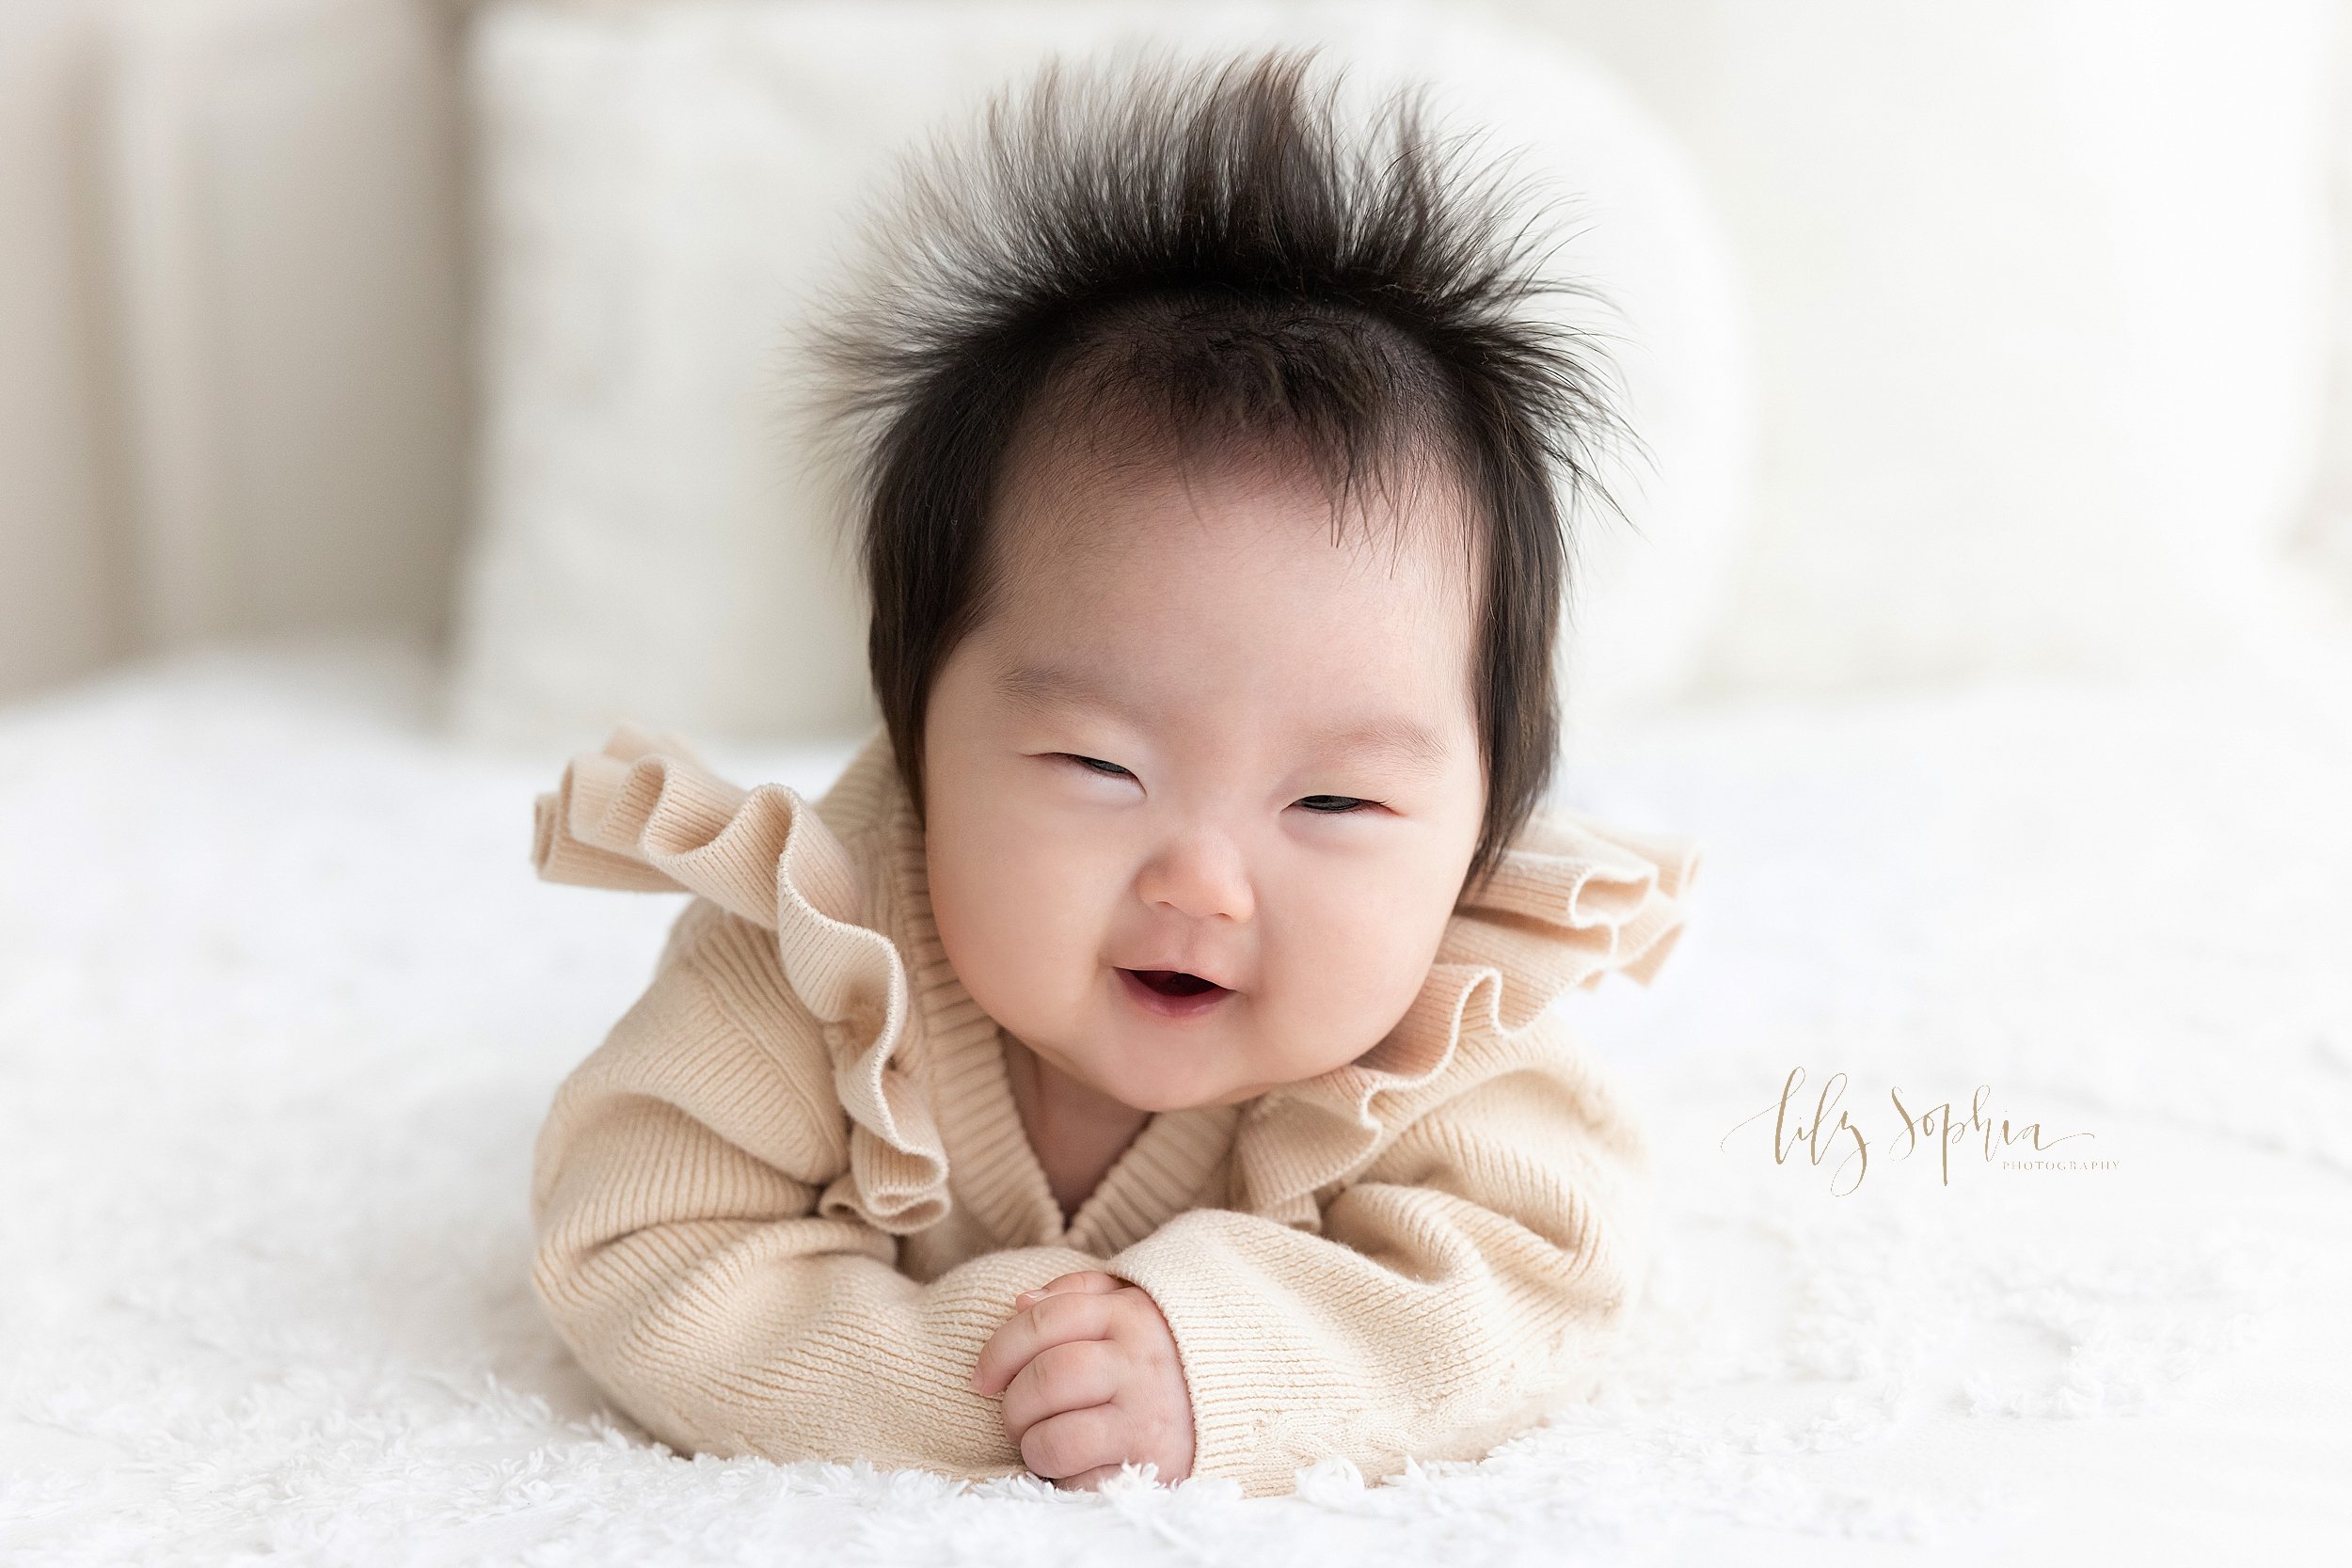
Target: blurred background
point(2002, 340)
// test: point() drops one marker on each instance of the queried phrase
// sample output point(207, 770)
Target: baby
point(1143, 1054)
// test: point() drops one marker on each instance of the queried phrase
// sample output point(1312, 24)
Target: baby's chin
point(1154, 1075)
point(1148, 1063)
point(1150, 1093)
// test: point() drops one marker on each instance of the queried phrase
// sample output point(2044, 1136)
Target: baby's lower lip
point(1168, 1005)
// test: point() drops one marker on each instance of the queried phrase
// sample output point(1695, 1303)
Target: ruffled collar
point(919, 1067)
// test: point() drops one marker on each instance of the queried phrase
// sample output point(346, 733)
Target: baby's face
point(1202, 788)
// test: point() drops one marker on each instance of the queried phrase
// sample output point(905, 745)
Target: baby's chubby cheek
point(1023, 912)
point(1343, 960)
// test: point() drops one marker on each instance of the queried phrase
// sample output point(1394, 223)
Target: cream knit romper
point(784, 1203)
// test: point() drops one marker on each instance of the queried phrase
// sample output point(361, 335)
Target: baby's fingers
point(1087, 1281)
point(1092, 1480)
point(1060, 1318)
point(1076, 1442)
point(1070, 1376)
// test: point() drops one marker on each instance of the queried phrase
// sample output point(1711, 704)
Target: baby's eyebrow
point(1048, 685)
point(1408, 741)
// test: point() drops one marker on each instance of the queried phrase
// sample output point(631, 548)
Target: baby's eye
point(1334, 805)
point(1096, 765)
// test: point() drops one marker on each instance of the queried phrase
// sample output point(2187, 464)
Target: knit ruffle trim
point(647, 814)
point(1571, 899)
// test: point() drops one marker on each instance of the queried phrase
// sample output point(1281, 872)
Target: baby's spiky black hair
point(1213, 246)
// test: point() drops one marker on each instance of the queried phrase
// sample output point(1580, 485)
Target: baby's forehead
point(1080, 494)
point(1191, 577)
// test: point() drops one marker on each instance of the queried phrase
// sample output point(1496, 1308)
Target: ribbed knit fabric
point(783, 1206)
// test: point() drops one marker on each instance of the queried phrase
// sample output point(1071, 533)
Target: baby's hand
point(1090, 1379)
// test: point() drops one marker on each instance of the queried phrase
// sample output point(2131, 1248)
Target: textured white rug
point(281, 1005)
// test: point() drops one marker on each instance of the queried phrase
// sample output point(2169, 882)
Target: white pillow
point(665, 191)
point(2039, 305)
point(2324, 540)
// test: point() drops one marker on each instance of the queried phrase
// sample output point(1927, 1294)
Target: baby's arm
point(682, 1258)
point(1472, 1271)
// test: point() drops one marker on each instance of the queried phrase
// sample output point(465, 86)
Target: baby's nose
point(1201, 874)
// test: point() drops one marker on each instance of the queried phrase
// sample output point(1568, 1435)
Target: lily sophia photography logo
point(1907, 1127)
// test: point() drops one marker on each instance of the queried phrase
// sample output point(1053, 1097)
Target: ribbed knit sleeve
point(1474, 1272)
point(682, 1257)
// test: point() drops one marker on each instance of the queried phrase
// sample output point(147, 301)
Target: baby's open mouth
point(1172, 993)
point(1174, 982)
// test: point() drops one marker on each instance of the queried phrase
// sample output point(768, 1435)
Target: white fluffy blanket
point(281, 1006)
